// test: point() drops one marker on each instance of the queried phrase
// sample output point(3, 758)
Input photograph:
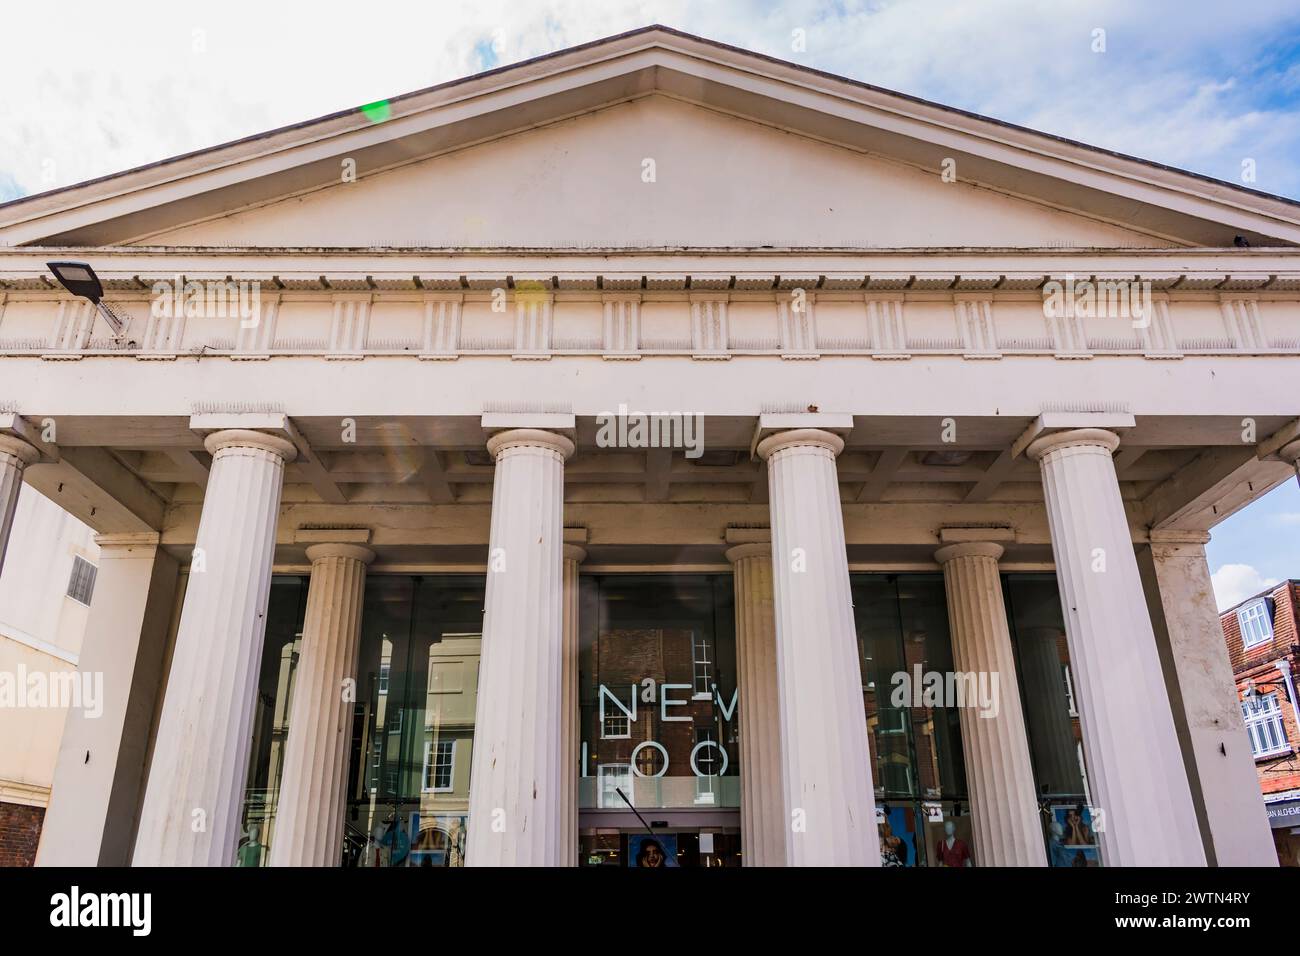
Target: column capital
point(130, 539)
point(574, 553)
point(1074, 436)
point(354, 552)
point(969, 549)
point(530, 437)
point(754, 549)
point(246, 438)
point(792, 437)
point(9, 445)
point(1168, 539)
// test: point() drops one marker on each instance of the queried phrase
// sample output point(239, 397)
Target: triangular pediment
point(653, 138)
point(655, 172)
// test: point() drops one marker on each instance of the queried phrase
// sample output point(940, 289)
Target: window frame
point(78, 562)
point(430, 764)
point(1261, 712)
point(1248, 621)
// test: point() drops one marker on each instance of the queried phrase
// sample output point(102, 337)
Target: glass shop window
point(1052, 719)
point(407, 798)
point(913, 723)
point(658, 694)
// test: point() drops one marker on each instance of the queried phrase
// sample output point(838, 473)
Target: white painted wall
point(41, 630)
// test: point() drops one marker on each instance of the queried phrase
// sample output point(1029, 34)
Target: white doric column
point(15, 456)
point(569, 723)
point(825, 757)
point(516, 787)
point(762, 808)
point(309, 815)
point(190, 815)
point(1135, 765)
point(998, 771)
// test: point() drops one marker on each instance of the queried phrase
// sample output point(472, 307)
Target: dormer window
point(1256, 624)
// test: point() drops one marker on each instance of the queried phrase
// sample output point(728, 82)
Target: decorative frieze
point(887, 326)
point(1241, 319)
point(255, 341)
point(536, 322)
point(350, 327)
point(533, 321)
point(75, 320)
point(621, 332)
point(979, 336)
point(1158, 339)
point(797, 324)
point(442, 314)
point(709, 333)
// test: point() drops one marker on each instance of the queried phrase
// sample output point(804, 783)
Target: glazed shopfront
point(660, 777)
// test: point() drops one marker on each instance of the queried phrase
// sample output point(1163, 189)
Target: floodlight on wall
point(80, 279)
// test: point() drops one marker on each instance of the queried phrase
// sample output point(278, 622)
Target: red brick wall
point(1284, 632)
point(20, 831)
point(1278, 774)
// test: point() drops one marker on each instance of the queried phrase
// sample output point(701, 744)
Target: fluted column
point(516, 792)
point(1135, 766)
point(998, 771)
point(309, 814)
point(190, 814)
point(762, 794)
point(15, 456)
point(569, 723)
point(825, 758)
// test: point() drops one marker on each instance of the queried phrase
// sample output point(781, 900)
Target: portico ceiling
point(134, 474)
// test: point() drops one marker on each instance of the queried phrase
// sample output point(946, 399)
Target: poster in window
point(1072, 840)
point(648, 852)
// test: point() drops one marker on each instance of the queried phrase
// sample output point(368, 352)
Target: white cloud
point(103, 91)
point(1233, 583)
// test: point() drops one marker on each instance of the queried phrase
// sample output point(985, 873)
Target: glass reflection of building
point(659, 718)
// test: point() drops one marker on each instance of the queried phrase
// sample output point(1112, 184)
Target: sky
point(1200, 85)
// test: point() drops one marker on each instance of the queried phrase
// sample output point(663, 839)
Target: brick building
point(1262, 645)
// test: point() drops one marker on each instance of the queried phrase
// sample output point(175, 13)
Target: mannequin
point(950, 850)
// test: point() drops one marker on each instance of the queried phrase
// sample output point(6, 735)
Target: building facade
point(654, 453)
point(1262, 645)
point(45, 596)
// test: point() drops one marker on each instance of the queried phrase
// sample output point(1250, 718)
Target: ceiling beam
point(433, 476)
point(658, 473)
point(887, 465)
point(994, 475)
point(189, 466)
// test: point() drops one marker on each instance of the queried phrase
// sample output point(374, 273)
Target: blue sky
point(1201, 85)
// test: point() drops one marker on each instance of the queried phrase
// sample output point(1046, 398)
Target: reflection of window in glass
point(1256, 625)
point(708, 763)
point(1263, 717)
point(384, 670)
point(703, 665)
point(1069, 689)
point(609, 779)
point(616, 727)
point(439, 765)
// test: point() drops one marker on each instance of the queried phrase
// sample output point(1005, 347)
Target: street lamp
point(79, 279)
